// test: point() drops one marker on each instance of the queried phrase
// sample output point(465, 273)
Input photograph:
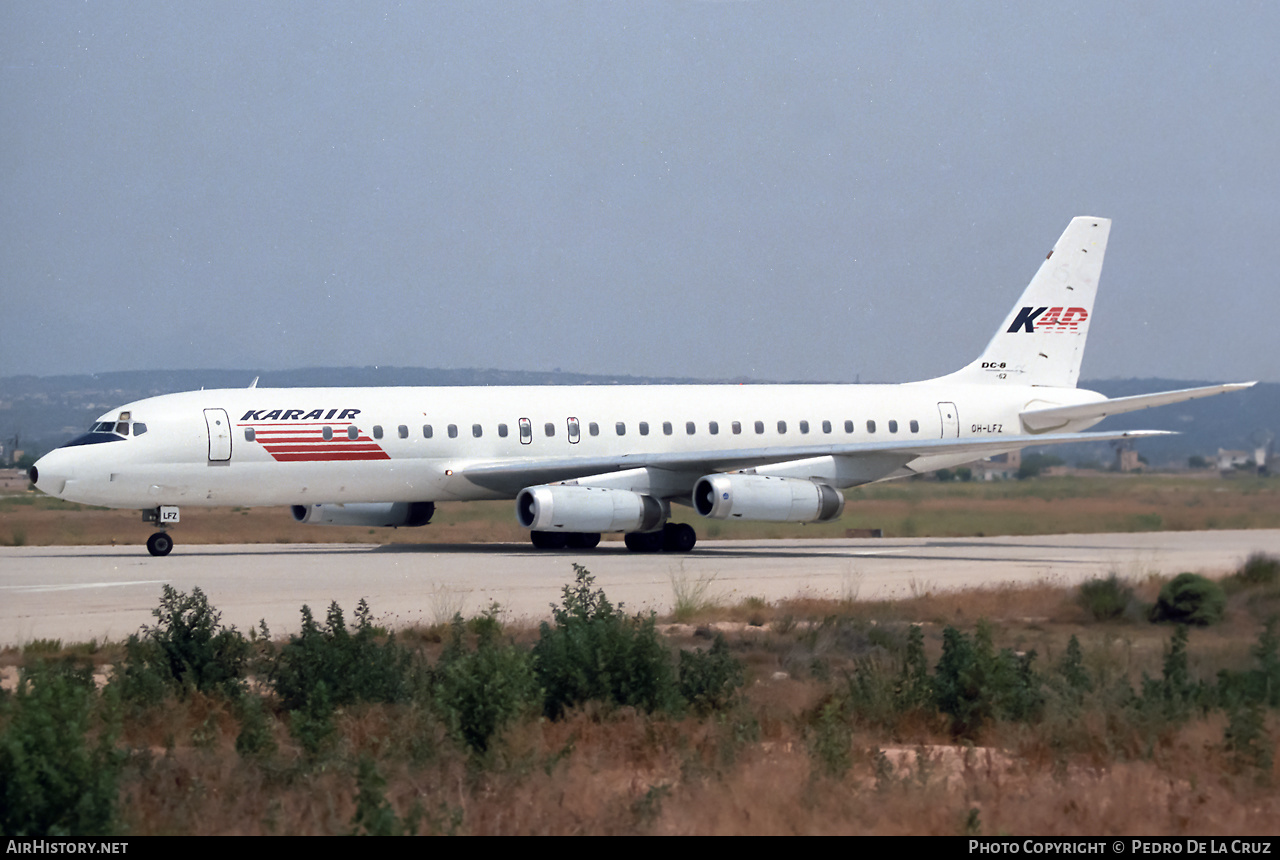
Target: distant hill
point(45, 411)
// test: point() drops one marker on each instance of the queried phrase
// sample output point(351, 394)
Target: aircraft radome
point(582, 460)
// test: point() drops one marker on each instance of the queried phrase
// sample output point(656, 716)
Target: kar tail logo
point(1048, 319)
point(316, 443)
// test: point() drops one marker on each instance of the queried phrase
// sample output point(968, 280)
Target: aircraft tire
point(549, 540)
point(678, 537)
point(584, 540)
point(159, 544)
point(643, 541)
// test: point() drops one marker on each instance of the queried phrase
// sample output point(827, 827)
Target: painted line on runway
point(36, 589)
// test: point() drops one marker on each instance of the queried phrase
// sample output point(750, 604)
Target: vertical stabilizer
point(1042, 340)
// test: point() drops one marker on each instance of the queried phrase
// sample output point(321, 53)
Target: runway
point(80, 593)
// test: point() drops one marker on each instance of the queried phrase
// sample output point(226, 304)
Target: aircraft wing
point(1057, 416)
point(511, 476)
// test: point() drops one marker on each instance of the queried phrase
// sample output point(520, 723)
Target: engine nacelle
point(760, 497)
point(366, 514)
point(570, 508)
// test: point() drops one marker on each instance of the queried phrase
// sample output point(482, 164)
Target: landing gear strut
point(164, 516)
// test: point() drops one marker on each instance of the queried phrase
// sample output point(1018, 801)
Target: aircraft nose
point(47, 477)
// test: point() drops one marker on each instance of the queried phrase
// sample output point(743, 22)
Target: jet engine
point(570, 508)
point(760, 497)
point(366, 514)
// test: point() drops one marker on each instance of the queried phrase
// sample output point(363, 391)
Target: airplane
point(580, 461)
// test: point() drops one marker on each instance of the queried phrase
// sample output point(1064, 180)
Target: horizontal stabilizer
point(1037, 420)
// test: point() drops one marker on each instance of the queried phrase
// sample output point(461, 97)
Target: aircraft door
point(219, 435)
point(950, 420)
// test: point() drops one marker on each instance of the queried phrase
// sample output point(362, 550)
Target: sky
point(781, 191)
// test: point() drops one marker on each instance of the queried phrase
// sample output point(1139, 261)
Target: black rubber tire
point(678, 537)
point(549, 540)
point(159, 544)
point(644, 541)
point(584, 540)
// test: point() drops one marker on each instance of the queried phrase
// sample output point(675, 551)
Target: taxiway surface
point(80, 593)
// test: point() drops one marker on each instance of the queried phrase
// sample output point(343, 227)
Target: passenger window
point(759, 427)
point(453, 431)
point(353, 433)
point(871, 426)
point(377, 431)
point(737, 428)
point(782, 427)
point(426, 431)
point(575, 431)
point(327, 433)
point(848, 426)
point(477, 431)
point(593, 428)
point(620, 428)
point(804, 426)
point(893, 426)
point(403, 430)
point(689, 428)
point(644, 428)
point(666, 428)
point(549, 429)
point(915, 426)
point(248, 434)
point(502, 430)
point(826, 426)
point(713, 428)
point(526, 431)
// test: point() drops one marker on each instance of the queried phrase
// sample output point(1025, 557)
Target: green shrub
point(1260, 569)
point(352, 667)
point(55, 778)
point(709, 680)
point(594, 652)
point(1190, 598)
point(1105, 599)
point(973, 684)
point(187, 649)
point(479, 692)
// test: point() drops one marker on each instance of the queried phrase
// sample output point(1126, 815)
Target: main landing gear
point(672, 537)
point(160, 543)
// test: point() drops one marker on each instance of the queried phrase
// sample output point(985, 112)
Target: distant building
point(1230, 460)
point(1127, 460)
point(1001, 467)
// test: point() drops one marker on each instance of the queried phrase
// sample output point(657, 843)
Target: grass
point(832, 732)
point(1057, 505)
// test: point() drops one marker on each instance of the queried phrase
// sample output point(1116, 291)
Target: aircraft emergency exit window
point(690, 428)
point(427, 432)
point(549, 429)
point(759, 427)
point(826, 426)
point(403, 431)
point(893, 426)
point(327, 433)
point(871, 426)
point(248, 434)
point(352, 432)
point(377, 431)
point(782, 427)
point(666, 428)
point(453, 431)
point(644, 428)
point(593, 428)
point(848, 426)
point(713, 428)
point(477, 431)
point(502, 430)
point(804, 426)
point(621, 428)
point(915, 426)
point(526, 431)
point(139, 428)
point(737, 428)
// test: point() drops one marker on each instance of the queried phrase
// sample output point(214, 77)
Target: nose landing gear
point(160, 543)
